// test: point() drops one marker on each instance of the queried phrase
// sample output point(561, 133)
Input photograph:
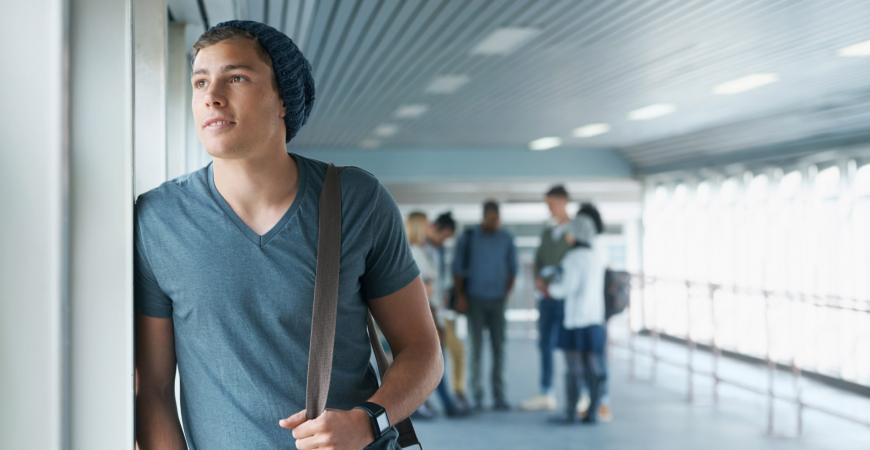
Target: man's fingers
point(293, 421)
point(310, 427)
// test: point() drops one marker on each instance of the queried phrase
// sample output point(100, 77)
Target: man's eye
point(237, 78)
point(199, 83)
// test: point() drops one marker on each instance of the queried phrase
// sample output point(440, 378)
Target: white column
point(33, 192)
point(101, 225)
point(177, 102)
point(150, 63)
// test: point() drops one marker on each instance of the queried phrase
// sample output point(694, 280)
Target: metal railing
point(640, 298)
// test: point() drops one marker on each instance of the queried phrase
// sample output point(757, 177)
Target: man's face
point(557, 206)
point(491, 220)
point(236, 106)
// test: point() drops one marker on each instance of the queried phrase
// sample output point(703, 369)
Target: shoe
point(583, 405)
point(604, 413)
point(589, 420)
point(501, 405)
point(457, 413)
point(461, 401)
point(539, 403)
point(424, 412)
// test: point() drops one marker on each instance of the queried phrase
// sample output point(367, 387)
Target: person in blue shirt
point(225, 261)
point(484, 269)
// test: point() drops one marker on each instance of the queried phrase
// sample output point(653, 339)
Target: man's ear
point(283, 110)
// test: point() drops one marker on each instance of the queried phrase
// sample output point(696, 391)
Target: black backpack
point(617, 292)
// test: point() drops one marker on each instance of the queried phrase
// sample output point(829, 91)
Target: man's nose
point(214, 97)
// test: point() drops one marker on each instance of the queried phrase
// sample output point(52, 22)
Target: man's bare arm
point(157, 424)
point(406, 321)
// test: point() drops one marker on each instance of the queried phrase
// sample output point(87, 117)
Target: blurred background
point(725, 142)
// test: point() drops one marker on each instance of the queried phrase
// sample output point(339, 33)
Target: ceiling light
point(593, 129)
point(652, 111)
point(411, 111)
point(545, 143)
point(369, 143)
point(386, 130)
point(857, 50)
point(446, 84)
point(504, 41)
point(746, 83)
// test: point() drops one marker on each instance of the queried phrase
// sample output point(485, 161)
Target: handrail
point(641, 283)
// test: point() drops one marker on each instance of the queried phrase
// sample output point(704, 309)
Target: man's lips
point(218, 123)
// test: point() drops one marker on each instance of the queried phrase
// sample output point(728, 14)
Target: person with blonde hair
point(417, 229)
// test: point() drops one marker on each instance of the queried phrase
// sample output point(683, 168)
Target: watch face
point(383, 423)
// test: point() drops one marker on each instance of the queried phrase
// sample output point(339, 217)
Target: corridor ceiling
point(575, 63)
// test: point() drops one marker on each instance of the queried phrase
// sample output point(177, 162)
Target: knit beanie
point(292, 71)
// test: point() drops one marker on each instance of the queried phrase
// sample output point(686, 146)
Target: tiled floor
point(650, 415)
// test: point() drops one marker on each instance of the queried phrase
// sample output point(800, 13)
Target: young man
point(550, 310)
point(225, 269)
point(483, 281)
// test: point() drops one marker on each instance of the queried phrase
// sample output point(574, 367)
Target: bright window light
point(827, 182)
point(652, 111)
point(545, 143)
point(504, 41)
point(661, 194)
point(447, 84)
point(702, 192)
point(411, 111)
point(386, 130)
point(861, 49)
point(790, 184)
point(593, 129)
point(757, 187)
point(728, 191)
point(680, 193)
point(746, 83)
point(862, 181)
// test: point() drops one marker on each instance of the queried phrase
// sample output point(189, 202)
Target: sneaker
point(539, 403)
point(604, 413)
point(561, 420)
point(583, 405)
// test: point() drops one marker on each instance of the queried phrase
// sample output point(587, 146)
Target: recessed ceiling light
point(447, 84)
point(652, 111)
point(593, 129)
point(410, 111)
point(386, 130)
point(545, 143)
point(369, 143)
point(746, 83)
point(857, 50)
point(504, 41)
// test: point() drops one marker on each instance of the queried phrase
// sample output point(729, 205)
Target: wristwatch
point(377, 417)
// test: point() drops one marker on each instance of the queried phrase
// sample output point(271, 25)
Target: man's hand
point(541, 286)
point(333, 430)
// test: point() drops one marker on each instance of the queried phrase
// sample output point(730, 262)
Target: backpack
point(617, 292)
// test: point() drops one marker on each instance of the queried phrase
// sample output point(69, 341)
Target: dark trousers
point(487, 315)
point(550, 315)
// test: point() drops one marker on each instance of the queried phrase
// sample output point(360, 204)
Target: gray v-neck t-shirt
point(241, 303)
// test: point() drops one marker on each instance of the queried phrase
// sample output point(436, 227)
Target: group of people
point(569, 274)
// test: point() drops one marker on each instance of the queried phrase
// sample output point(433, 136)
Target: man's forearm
point(412, 377)
point(157, 424)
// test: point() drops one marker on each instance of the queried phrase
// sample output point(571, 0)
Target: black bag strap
point(324, 310)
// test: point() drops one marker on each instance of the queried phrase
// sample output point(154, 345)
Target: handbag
point(402, 434)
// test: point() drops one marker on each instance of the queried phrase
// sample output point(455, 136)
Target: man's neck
point(252, 184)
point(561, 219)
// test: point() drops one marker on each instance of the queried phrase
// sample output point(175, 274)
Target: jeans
point(550, 315)
point(487, 314)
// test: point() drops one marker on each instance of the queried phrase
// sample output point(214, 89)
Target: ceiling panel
point(591, 61)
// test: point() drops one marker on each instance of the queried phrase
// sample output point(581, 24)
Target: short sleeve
point(389, 264)
point(148, 298)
